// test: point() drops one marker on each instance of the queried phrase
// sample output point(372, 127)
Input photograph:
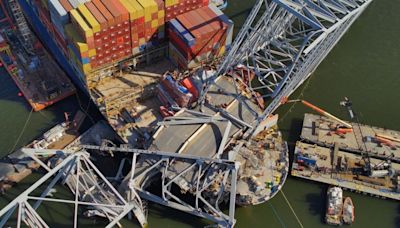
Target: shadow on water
point(292, 135)
point(397, 218)
point(159, 213)
point(317, 202)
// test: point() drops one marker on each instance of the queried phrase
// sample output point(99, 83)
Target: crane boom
point(322, 112)
point(387, 137)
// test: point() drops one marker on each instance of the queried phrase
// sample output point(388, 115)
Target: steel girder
point(283, 41)
point(211, 182)
point(91, 189)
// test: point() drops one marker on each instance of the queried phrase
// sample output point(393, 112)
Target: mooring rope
point(276, 214)
point(291, 208)
point(22, 132)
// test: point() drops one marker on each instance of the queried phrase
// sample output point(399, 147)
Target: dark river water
point(364, 65)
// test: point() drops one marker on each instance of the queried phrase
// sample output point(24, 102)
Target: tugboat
point(334, 207)
point(348, 211)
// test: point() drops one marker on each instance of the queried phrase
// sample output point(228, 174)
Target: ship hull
point(50, 44)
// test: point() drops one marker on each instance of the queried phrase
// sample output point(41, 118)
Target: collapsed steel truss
point(283, 42)
point(94, 191)
point(91, 189)
point(205, 175)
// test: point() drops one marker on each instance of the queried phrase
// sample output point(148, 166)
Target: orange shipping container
point(122, 9)
point(66, 5)
point(104, 11)
point(109, 4)
point(97, 14)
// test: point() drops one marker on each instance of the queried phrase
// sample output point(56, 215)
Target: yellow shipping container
point(90, 19)
point(75, 38)
point(130, 8)
point(150, 7)
point(87, 68)
point(169, 3)
point(82, 26)
point(161, 14)
point(154, 24)
point(139, 8)
point(92, 52)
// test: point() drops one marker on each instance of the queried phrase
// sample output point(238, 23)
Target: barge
point(41, 81)
point(378, 142)
point(336, 167)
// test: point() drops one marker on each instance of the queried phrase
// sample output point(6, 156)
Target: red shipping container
point(110, 5)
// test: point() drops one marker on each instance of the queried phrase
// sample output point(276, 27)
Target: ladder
point(22, 25)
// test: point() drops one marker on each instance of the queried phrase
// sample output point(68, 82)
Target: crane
point(342, 128)
point(370, 169)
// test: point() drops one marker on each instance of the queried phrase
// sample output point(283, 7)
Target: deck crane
point(358, 135)
point(372, 170)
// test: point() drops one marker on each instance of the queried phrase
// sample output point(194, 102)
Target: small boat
point(348, 211)
point(334, 207)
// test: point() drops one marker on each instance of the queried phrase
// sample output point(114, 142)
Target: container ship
point(41, 81)
point(118, 51)
point(140, 59)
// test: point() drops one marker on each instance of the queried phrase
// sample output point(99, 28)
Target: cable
point(22, 131)
point(291, 208)
point(46, 117)
point(87, 108)
point(294, 103)
point(276, 214)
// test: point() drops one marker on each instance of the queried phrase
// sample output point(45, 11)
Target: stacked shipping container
point(199, 35)
point(174, 8)
point(93, 34)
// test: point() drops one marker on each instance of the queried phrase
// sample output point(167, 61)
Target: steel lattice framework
point(92, 190)
point(203, 173)
point(283, 42)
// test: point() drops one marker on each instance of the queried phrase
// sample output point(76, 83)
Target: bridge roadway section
point(224, 115)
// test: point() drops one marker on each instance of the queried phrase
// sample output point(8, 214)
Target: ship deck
point(128, 99)
point(316, 130)
point(325, 172)
point(43, 85)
